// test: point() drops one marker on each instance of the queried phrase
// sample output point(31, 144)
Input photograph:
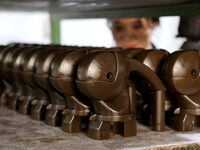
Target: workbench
point(20, 132)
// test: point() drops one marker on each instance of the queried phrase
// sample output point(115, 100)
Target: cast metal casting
point(63, 75)
point(154, 60)
point(53, 101)
point(80, 85)
point(3, 85)
point(181, 74)
point(26, 71)
point(104, 78)
point(13, 71)
point(5, 59)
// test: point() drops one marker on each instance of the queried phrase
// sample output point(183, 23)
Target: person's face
point(133, 32)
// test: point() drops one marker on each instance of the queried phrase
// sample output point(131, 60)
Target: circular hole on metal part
point(109, 75)
point(193, 72)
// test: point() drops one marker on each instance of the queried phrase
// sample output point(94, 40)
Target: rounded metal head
point(14, 66)
point(42, 68)
point(7, 60)
point(152, 59)
point(27, 65)
point(181, 72)
point(1, 59)
point(102, 75)
point(63, 71)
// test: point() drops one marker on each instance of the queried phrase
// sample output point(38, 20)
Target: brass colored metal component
point(5, 59)
point(95, 87)
point(42, 99)
point(63, 74)
point(180, 73)
point(144, 99)
point(104, 77)
point(154, 60)
point(53, 102)
point(26, 73)
point(2, 86)
point(14, 72)
point(32, 91)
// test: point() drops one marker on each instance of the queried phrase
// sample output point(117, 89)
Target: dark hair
point(189, 27)
point(156, 19)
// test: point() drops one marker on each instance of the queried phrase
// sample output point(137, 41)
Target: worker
point(133, 32)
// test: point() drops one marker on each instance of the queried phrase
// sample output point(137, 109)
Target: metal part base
point(101, 129)
point(53, 117)
point(12, 103)
point(72, 123)
point(3, 100)
point(183, 122)
point(38, 112)
point(24, 107)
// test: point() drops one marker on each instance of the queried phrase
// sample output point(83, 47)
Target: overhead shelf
point(74, 9)
point(61, 9)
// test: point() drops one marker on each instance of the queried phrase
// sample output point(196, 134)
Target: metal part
point(6, 57)
point(26, 72)
point(56, 102)
point(180, 73)
point(14, 74)
point(104, 78)
point(154, 60)
point(63, 74)
point(80, 87)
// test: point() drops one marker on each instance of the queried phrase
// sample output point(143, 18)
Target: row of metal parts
point(97, 88)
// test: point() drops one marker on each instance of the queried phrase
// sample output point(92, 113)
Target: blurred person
point(133, 32)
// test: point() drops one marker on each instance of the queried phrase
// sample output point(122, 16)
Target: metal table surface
point(19, 132)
